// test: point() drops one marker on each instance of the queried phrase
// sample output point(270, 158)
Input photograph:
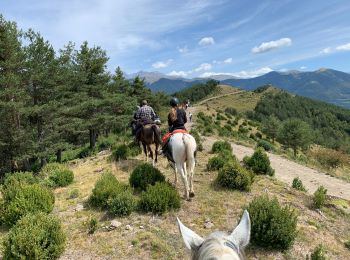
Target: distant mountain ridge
point(328, 85)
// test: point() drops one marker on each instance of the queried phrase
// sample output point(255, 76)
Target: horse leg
point(175, 182)
point(156, 152)
point(190, 167)
point(150, 153)
point(180, 168)
point(145, 151)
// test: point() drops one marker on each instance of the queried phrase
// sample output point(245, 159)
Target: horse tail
point(191, 149)
point(156, 132)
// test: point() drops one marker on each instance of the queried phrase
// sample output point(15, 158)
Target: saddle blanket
point(169, 134)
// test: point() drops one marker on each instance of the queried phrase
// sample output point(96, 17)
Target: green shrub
point(259, 163)
point(14, 181)
point(133, 149)
point(105, 188)
point(122, 204)
point(87, 152)
point(106, 142)
point(56, 175)
point(242, 129)
point(231, 111)
point(347, 244)
point(28, 199)
point(319, 197)
point(120, 153)
point(208, 130)
point(73, 194)
point(62, 178)
point(252, 136)
point(145, 174)
point(267, 146)
point(318, 253)
point(272, 226)
point(215, 163)
point(220, 117)
point(258, 135)
point(35, 236)
point(220, 146)
point(233, 176)
point(160, 198)
point(92, 225)
point(222, 131)
point(297, 184)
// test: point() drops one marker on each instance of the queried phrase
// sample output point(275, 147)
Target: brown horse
point(150, 134)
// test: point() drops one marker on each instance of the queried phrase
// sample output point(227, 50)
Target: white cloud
point(252, 73)
point(180, 73)
point(268, 46)
point(326, 50)
point(162, 64)
point(206, 41)
point(203, 67)
point(303, 67)
point(183, 49)
point(209, 74)
point(240, 74)
point(344, 47)
point(228, 60)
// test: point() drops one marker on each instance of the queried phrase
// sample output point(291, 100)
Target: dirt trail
point(286, 170)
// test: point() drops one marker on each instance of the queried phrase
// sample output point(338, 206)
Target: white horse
point(183, 148)
point(218, 245)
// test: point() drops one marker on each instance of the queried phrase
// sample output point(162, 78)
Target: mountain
point(324, 84)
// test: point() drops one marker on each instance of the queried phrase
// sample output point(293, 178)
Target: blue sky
point(197, 37)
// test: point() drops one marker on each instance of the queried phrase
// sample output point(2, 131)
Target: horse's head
point(218, 245)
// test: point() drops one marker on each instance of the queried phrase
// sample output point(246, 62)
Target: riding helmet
point(174, 102)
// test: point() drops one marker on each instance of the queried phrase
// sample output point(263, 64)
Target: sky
point(197, 38)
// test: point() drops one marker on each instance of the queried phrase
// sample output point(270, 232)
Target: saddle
point(165, 140)
point(169, 134)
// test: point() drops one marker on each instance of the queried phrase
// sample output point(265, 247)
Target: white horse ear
point(191, 239)
point(241, 234)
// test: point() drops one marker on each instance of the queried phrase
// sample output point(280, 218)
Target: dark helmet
point(144, 102)
point(174, 102)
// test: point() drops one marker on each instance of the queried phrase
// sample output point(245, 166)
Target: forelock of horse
point(217, 246)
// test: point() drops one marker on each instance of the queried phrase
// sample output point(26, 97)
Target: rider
point(144, 115)
point(177, 116)
point(176, 120)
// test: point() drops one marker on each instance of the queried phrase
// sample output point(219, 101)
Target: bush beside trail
point(233, 176)
point(26, 199)
point(259, 163)
point(272, 226)
point(56, 175)
point(160, 198)
point(143, 175)
point(35, 236)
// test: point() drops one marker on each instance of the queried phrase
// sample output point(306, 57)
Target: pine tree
point(271, 126)
point(41, 75)
point(295, 134)
point(120, 84)
point(14, 142)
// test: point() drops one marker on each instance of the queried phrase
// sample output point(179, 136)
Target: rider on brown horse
point(143, 116)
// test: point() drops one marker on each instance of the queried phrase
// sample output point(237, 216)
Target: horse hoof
point(189, 199)
point(191, 194)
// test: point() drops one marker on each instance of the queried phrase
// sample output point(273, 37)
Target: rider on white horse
point(176, 120)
